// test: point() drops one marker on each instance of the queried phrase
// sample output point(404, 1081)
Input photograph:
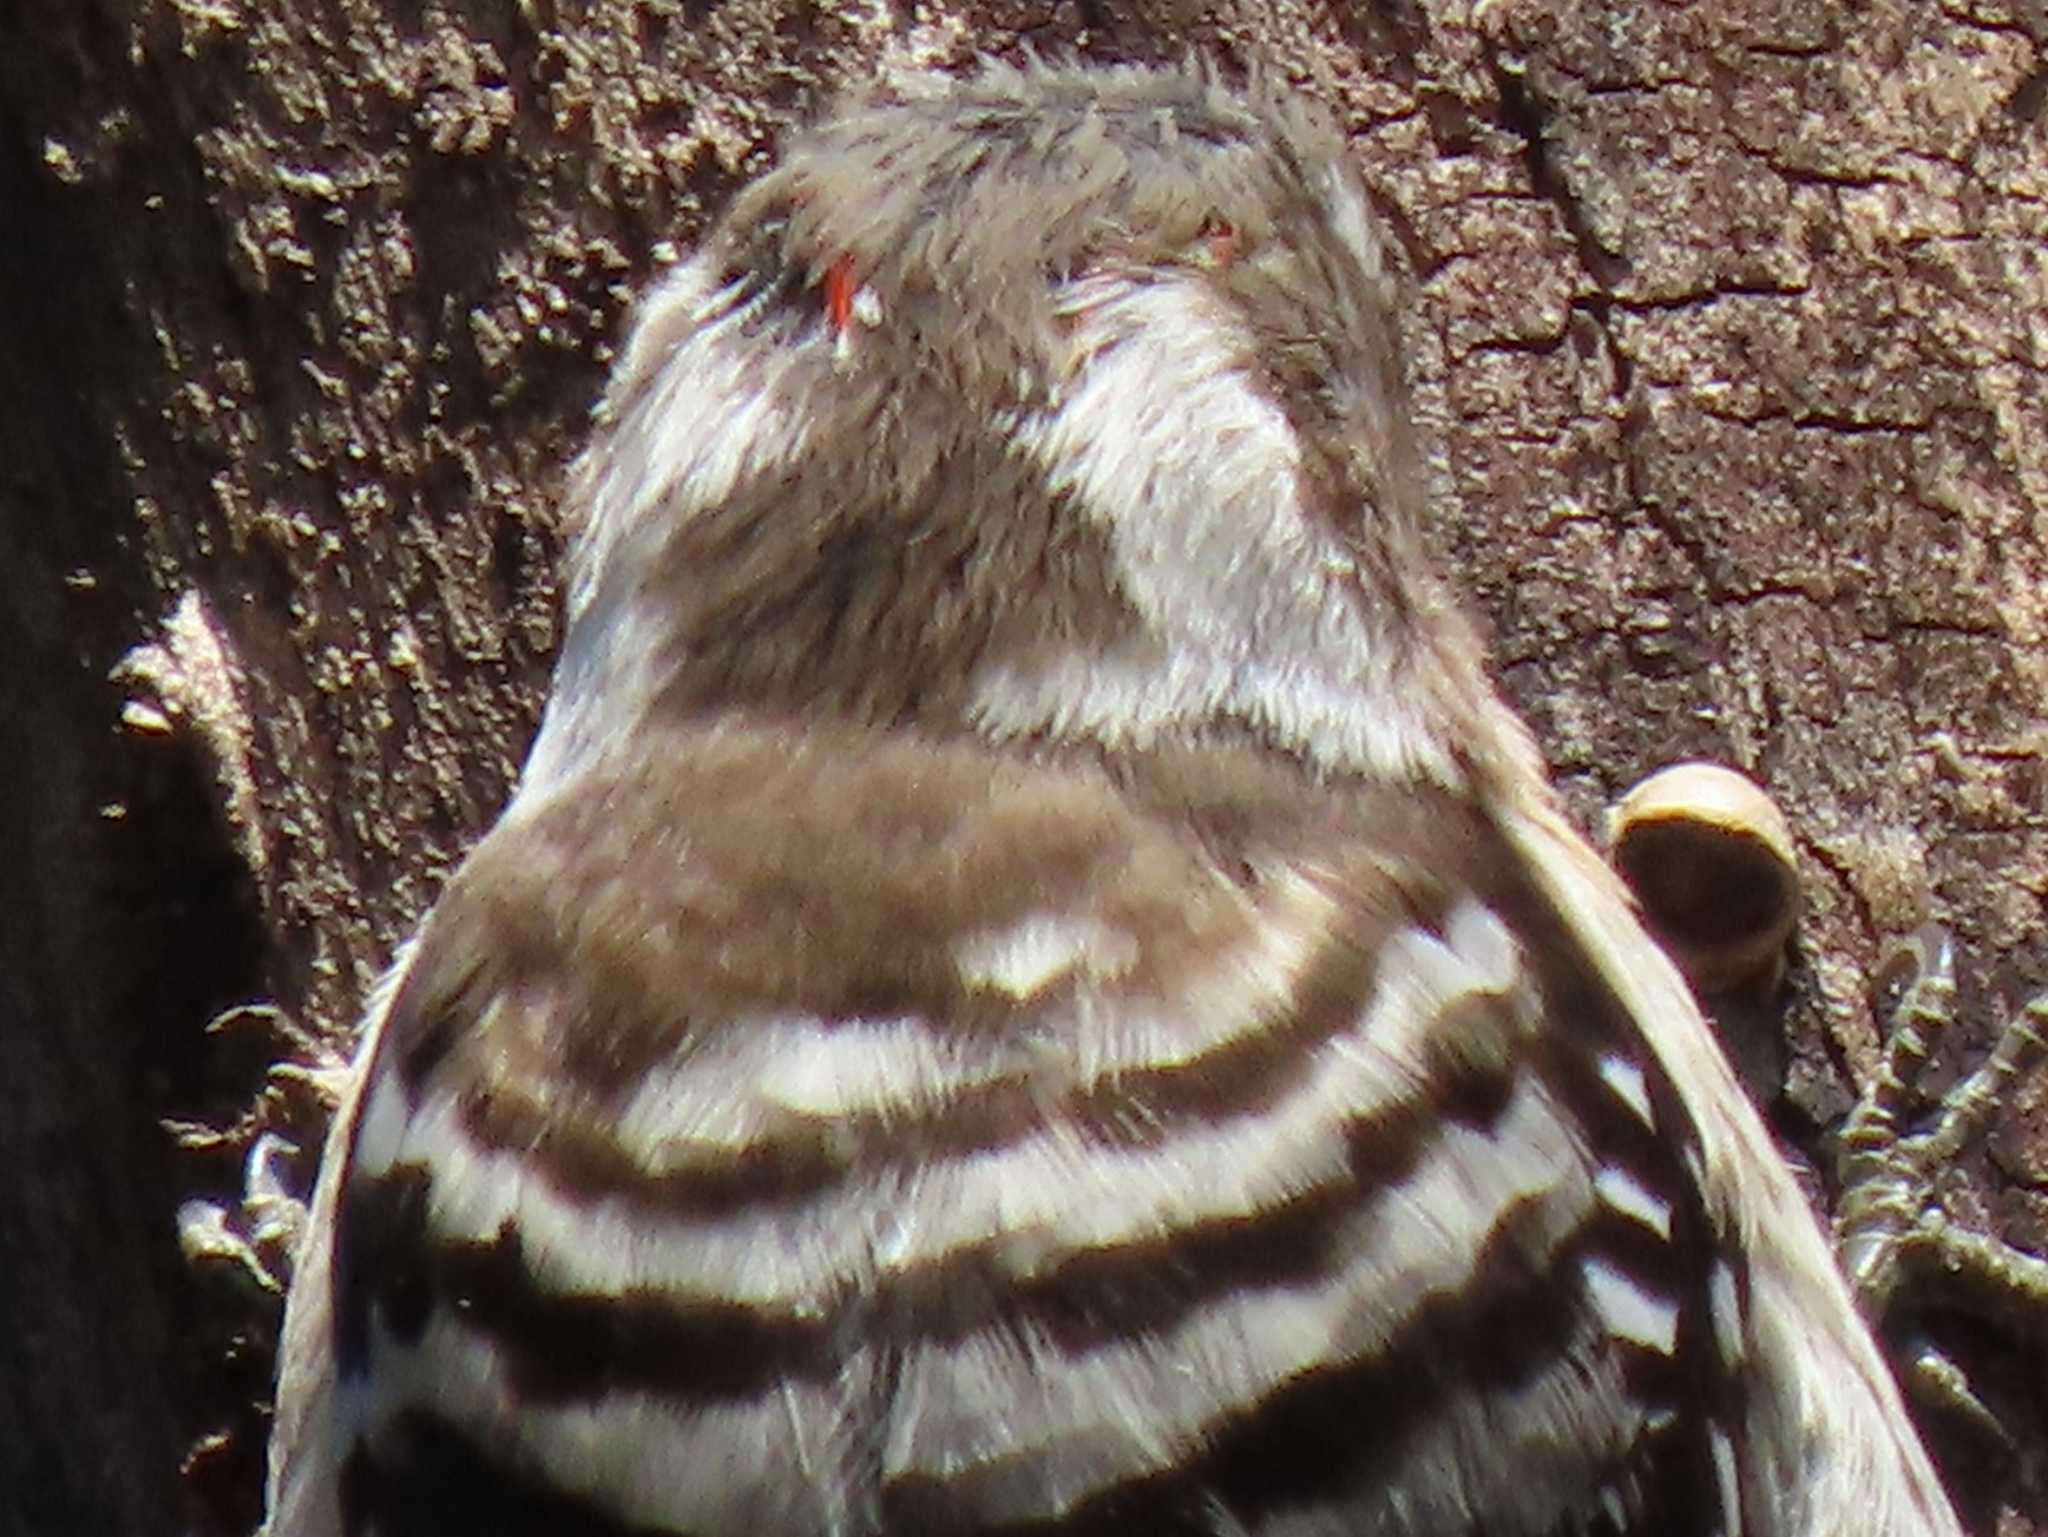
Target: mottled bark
point(1728, 331)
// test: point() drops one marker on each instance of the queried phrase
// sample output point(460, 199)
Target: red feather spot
point(839, 287)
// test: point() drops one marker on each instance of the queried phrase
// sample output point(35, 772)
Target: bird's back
point(1031, 984)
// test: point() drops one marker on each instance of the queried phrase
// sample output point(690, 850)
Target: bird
point(1031, 981)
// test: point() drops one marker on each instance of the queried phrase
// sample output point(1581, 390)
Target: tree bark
point(1727, 328)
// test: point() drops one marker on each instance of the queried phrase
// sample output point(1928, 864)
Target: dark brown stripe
point(583, 1163)
point(1694, 1381)
point(1336, 1438)
point(1143, 1107)
point(432, 1481)
point(578, 1347)
point(382, 1258)
point(1331, 1437)
point(558, 1347)
point(561, 1347)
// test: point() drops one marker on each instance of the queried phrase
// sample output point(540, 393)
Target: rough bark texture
point(1729, 326)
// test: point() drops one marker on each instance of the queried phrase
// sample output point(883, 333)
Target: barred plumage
point(1030, 984)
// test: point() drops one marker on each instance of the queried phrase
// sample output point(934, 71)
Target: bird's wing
point(839, 1133)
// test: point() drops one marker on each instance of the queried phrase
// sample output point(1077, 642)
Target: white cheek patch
point(714, 413)
point(1249, 608)
point(711, 418)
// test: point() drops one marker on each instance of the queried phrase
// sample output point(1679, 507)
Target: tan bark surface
point(1730, 327)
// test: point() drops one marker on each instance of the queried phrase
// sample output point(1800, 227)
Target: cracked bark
point(1727, 326)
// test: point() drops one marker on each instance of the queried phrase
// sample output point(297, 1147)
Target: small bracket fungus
point(1710, 857)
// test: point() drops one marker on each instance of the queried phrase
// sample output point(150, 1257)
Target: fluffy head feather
point(1061, 405)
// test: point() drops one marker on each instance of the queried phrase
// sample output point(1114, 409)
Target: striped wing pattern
point(961, 1145)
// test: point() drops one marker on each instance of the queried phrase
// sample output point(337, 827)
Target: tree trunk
point(1727, 326)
